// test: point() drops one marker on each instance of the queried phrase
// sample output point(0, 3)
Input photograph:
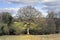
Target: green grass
point(31, 37)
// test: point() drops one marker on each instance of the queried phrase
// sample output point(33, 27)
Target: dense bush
point(4, 30)
point(19, 28)
point(29, 21)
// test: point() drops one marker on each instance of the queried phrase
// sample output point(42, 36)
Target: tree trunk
point(28, 31)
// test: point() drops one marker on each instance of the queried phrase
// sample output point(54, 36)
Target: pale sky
point(42, 5)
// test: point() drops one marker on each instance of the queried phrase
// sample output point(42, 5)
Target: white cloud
point(30, 2)
point(50, 0)
point(8, 9)
point(52, 4)
point(13, 11)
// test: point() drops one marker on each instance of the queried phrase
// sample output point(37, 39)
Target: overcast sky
point(42, 5)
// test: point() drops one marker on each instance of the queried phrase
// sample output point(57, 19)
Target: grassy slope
point(31, 37)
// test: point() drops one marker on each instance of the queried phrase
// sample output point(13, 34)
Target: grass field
point(31, 37)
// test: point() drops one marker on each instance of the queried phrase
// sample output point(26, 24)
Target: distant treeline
point(28, 20)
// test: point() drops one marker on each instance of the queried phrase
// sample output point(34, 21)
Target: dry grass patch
point(31, 37)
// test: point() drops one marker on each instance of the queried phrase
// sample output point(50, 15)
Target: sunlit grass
point(31, 37)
